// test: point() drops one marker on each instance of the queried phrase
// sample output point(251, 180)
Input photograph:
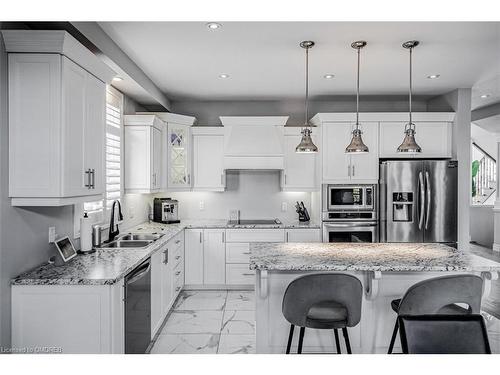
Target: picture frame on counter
point(65, 248)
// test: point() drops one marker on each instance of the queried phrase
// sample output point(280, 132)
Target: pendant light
point(409, 144)
point(306, 144)
point(357, 145)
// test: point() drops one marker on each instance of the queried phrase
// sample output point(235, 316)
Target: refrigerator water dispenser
point(402, 206)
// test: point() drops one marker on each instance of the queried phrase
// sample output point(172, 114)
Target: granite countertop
point(385, 257)
point(107, 266)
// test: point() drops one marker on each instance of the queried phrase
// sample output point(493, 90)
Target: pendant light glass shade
point(357, 145)
point(409, 144)
point(306, 145)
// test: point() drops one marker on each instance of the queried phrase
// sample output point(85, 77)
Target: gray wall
point(208, 112)
point(24, 231)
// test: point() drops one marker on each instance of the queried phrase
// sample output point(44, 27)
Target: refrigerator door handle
point(428, 198)
point(422, 199)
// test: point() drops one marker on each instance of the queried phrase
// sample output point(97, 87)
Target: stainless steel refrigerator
point(418, 201)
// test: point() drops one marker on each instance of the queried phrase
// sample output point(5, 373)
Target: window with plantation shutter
point(99, 210)
point(114, 130)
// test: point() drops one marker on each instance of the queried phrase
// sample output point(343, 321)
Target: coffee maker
point(166, 210)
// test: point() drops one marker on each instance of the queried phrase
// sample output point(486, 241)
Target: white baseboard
point(496, 247)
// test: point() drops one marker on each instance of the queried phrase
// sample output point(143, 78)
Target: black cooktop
point(254, 222)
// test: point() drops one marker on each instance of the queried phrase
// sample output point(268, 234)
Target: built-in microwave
point(349, 197)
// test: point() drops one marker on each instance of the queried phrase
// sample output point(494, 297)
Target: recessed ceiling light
point(484, 96)
point(223, 75)
point(434, 76)
point(117, 79)
point(329, 76)
point(214, 25)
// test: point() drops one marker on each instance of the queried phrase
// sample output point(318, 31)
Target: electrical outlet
point(284, 207)
point(202, 205)
point(52, 234)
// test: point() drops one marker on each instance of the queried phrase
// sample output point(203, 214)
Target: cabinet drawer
point(238, 252)
point(255, 235)
point(239, 274)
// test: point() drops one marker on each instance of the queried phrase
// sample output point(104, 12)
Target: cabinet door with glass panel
point(179, 156)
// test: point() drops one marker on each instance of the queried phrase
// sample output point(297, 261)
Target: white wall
point(481, 225)
point(256, 194)
point(485, 139)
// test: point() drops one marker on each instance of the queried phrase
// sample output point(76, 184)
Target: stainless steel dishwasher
point(138, 309)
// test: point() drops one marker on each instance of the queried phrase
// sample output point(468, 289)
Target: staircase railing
point(486, 178)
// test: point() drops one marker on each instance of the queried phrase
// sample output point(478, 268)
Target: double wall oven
point(349, 213)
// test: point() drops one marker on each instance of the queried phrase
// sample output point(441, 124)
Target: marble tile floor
point(211, 322)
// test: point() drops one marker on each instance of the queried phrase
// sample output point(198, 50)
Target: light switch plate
point(284, 207)
point(52, 234)
point(202, 205)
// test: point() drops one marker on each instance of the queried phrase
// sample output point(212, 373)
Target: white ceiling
point(264, 60)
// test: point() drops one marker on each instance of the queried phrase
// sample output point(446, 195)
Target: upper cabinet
point(339, 167)
point(301, 169)
point(177, 152)
point(57, 105)
point(208, 158)
point(143, 153)
point(382, 133)
point(434, 137)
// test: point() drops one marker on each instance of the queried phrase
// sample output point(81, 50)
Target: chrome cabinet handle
point(223, 237)
point(349, 170)
point(200, 236)
point(353, 170)
point(189, 178)
point(247, 253)
point(88, 177)
point(177, 257)
point(178, 241)
point(177, 273)
point(178, 288)
point(165, 254)
point(92, 173)
point(285, 179)
point(286, 236)
point(248, 274)
point(428, 198)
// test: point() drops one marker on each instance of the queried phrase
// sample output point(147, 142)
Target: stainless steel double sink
point(133, 240)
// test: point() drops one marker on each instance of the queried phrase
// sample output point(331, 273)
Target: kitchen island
point(386, 271)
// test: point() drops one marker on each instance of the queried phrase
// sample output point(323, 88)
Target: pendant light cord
point(411, 51)
point(306, 123)
point(357, 91)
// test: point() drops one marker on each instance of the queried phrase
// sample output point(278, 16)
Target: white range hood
point(253, 142)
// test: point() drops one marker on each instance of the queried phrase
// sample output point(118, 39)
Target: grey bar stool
point(439, 295)
point(323, 301)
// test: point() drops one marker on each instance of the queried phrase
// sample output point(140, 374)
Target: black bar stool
point(439, 296)
point(323, 301)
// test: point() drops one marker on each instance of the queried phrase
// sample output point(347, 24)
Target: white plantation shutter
point(114, 131)
point(113, 153)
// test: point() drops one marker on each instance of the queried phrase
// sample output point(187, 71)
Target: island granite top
point(384, 257)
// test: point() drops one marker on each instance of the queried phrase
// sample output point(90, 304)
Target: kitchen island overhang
point(386, 271)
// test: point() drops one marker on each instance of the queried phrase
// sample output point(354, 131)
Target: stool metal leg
point(393, 338)
point(301, 339)
point(337, 341)
point(346, 338)
point(290, 337)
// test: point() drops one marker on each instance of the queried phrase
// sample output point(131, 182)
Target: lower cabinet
point(167, 279)
point(205, 257)
point(303, 235)
point(68, 319)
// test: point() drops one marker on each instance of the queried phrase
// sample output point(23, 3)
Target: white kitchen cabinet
point(193, 266)
point(56, 119)
point(208, 158)
point(205, 257)
point(214, 256)
point(339, 167)
point(75, 318)
point(300, 172)
point(303, 235)
point(433, 137)
point(143, 153)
